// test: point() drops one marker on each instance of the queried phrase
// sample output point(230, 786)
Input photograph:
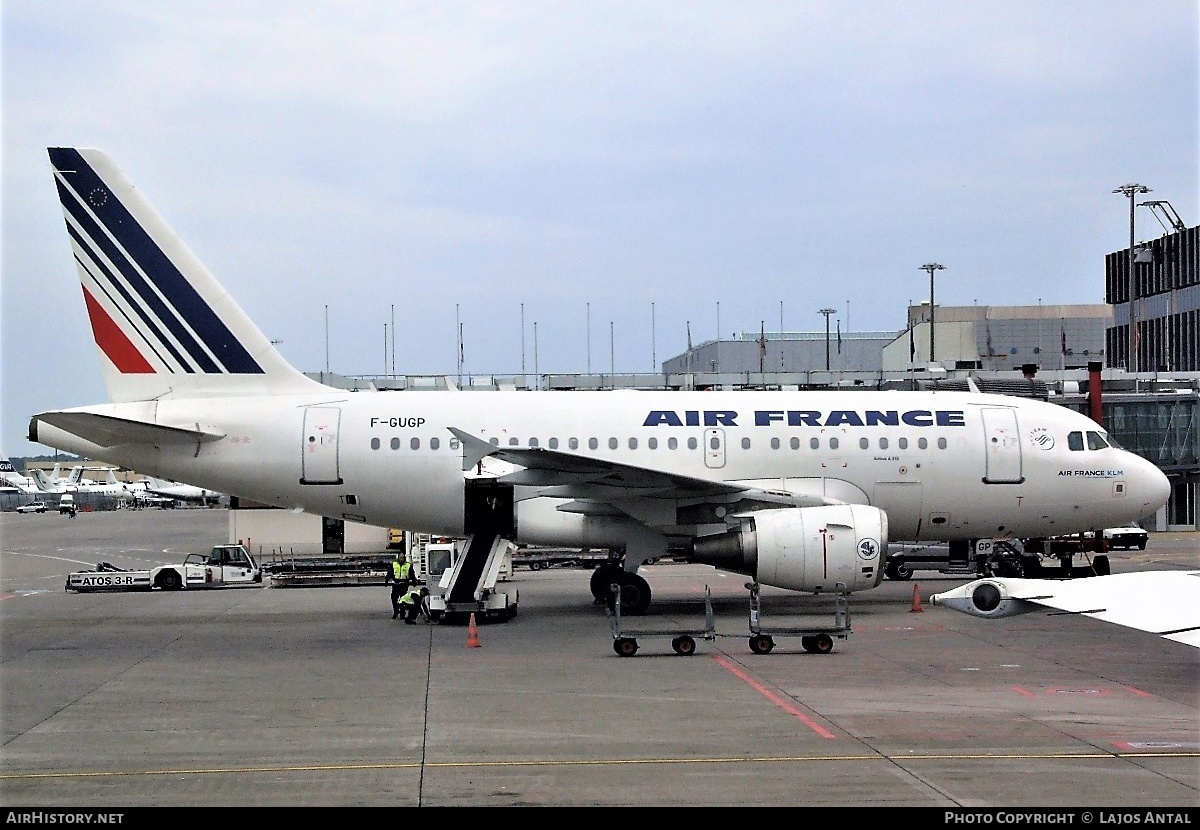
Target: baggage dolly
point(625, 642)
point(814, 640)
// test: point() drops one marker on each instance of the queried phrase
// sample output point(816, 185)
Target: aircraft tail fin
point(162, 323)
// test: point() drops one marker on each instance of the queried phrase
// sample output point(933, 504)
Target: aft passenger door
point(319, 452)
point(1002, 445)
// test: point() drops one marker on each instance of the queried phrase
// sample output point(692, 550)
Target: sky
point(575, 185)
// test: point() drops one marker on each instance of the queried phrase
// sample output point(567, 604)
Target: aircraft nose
point(1153, 485)
point(1160, 487)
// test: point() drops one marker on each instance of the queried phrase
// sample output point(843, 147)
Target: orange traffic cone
point(916, 604)
point(472, 634)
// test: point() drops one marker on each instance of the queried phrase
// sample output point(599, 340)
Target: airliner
point(11, 478)
point(800, 490)
point(180, 491)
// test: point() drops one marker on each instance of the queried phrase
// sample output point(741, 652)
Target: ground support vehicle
point(538, 558)
point(222, 567)
point(814, 639)
point(468, 584)
point(1128, 537)
point(1049, 558)
point(33, 507)
point(625, 642)
point(321, 571)
point(903, 559)
point(1031, 559)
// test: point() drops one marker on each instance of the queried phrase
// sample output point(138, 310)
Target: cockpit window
point(1075, 441)
point(1096, 441)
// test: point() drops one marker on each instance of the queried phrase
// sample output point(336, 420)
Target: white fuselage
point(942, 465)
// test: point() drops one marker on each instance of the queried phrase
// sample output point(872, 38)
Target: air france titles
point(808, 418)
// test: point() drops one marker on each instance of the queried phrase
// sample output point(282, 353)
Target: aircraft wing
point(566, 475)
point(1166, 603)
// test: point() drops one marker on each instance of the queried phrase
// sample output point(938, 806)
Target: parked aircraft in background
point(1166, 603)
point(181, 492)
point(54, 482)
point(111, 486)
point(798, 490)
point(14, 479)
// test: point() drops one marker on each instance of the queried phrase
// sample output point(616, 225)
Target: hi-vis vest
point(401, 571)
point(412, 597)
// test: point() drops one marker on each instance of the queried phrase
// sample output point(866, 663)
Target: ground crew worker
point(400, 575)
point(413, 603)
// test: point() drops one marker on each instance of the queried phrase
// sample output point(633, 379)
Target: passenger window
point(593, 444)
point(814, 443)
point(833, 443)
point(395, 443)
point(774, 443)
point(633, 443)
point(453, 443)
point(883, 443)
point(612, 443)
point(941, 443)
point(692, 443)
point(414, 443)
point(1096, 441)
point(374, 443)
point(1075, 441)
point(922, 444)
point(434, 443)
point(714, 443)
point(794, 443)
point(573, 443)
point(553, 442)
point(533, 442)
point(652, 443)
point(863, 443)
point(745, 443)
point(495, 442)
point(902, 443)
point(672, 443)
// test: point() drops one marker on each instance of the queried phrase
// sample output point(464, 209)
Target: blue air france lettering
point(808, 418)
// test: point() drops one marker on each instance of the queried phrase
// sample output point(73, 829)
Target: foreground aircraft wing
point(1166, 603)
point(565, 475)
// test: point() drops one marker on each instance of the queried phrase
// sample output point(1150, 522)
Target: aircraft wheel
point(535, 566)
point(170, 580)
point(817, 644)
point(761, 644)
point(684, 645)
point(602, 577)
point(625, 646)
point(635, 594)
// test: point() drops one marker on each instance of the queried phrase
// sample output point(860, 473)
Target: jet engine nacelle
point(804, 548)
point(989, 598)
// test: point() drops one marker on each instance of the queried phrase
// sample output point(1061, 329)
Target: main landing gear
point(635, 591)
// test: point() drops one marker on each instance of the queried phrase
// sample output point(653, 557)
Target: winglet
point(474, 449)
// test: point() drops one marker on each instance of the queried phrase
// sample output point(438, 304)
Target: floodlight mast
point(931, 267)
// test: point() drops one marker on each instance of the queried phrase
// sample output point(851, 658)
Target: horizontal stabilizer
point(107, 431)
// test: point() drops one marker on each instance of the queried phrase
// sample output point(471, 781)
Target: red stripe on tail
point(113, 342)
